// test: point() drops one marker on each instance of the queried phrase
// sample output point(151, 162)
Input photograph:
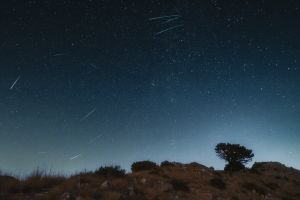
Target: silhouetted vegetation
point(168, 164)
point(111, 171)
point(143, 165)
point(218, 183)
point(236, 156)
point(195, 164)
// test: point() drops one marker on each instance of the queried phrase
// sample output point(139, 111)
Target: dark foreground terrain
point(269, 181)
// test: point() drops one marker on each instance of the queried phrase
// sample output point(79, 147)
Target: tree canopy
point(236, 155)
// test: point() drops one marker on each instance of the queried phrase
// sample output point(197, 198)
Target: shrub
point(218, 183)
point(179, 185)
point(143, 165)
point(195, 164)
point(110, 171)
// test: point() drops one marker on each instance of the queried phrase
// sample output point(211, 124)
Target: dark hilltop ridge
point(169, 180)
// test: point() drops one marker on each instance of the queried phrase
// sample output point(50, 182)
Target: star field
point(89, 83)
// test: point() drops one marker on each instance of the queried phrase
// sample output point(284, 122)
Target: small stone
point(143, 181)
point(131, 191)
point(164, 187)
point(65, 196)
point(104, 184)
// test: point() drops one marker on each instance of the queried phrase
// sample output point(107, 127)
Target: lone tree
point(236, 155)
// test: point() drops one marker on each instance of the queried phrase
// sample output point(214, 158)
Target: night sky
point(98, 82)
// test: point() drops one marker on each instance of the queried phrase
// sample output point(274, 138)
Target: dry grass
point(218, 183)
point(40, 181)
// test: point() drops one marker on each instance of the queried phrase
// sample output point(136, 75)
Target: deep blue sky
point(90, 83)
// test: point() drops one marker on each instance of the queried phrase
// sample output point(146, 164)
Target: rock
point(66, 196)
point(131, 191)
point(143, 181)
point(164, 187)
point(104, 184)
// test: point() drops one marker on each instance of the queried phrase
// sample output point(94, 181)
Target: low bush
point(195, 164)
point(167, 164)
point(218, 183)
point(111, 171)
point(143, 165)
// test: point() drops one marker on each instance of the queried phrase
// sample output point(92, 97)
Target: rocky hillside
point(268, 181)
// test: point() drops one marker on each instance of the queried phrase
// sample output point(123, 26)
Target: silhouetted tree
point(236, 155)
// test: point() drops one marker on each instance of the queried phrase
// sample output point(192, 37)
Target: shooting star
point(170, 20)
point(163, 17)
point(94, 66)
point(76, 156)
point(58, 54)
point(95, 138)
point(88, 115)
point(168, 29)
point(16, 81)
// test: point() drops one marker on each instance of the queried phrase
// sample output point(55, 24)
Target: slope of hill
point(264, 181)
